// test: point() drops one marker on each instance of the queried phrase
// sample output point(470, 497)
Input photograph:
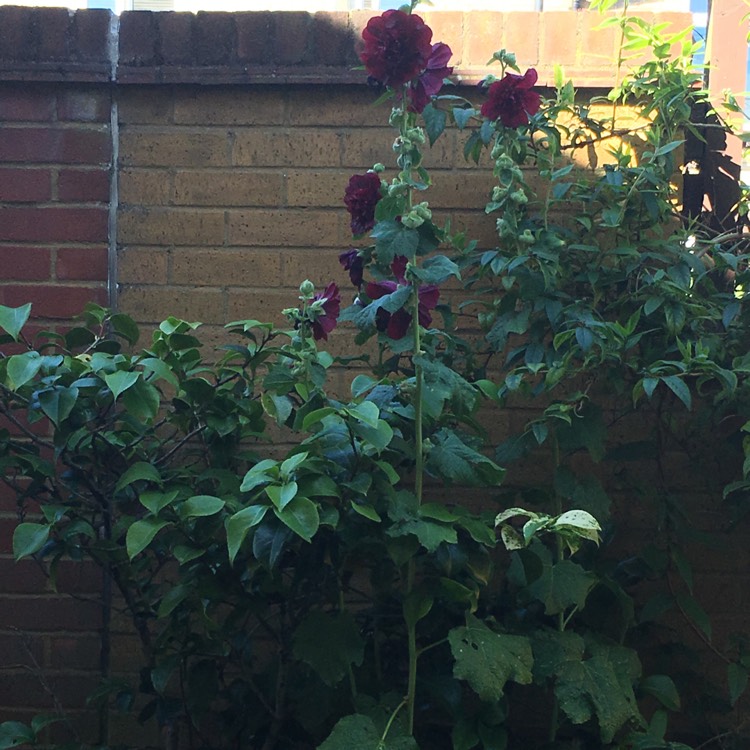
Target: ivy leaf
point(600, 686)
point(430, 533)
point(330, 643)
point(452, 459)
point(13, 319)
point(436, 270)
point(29, 538)
point(561, 585)
point(392, 239)
point(488, 660)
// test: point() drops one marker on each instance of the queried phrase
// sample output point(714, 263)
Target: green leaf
point(737, 679)
point(561, 585)
point(429, 533)
point(301, 516)
point(12, 320)
point(29, 538)
point(488, 660)
point(58, 402)
point(156, 501)
point(21, 368)
point(457, 462)
point(695, 612)
point(240, 524)
point(142, 400)
point(159, 369)
point(581, 522)
point(600, 686)
point(200, 505)
point(434, 122)
point(436, 270)
point(367, 412)
point(138, 471)
point(14, 733)
point(291, 464)
point(125, 326)
point(663, 689)
point(141, 533)
point(358, 732)
point(118, 382)
point(679, 388)
point(173, 598)
point(366, 510)
point(281, 495)
point(330, 643)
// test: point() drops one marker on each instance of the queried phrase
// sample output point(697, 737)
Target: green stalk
point(555, 717)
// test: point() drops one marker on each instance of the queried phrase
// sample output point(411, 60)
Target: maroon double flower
point(396, 325)
point(360, 198)
point(511, 99)
point(397, 50)
point(327, 316)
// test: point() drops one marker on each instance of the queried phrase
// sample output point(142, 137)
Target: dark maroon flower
point(395, 325)
point(327, 313)
point(511, 99)
point(431, 81)
point(397, 47)
point(360, 197)
point(352, 261)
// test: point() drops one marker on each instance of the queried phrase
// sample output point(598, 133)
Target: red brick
point(79, 577)
point(559, 39)
point(25, 263)
point(292, 38)
point(62, 302)
point(334, 39)
point(87, 105)
point(91, 29)
point(53, 224)
point(176, 35)
point(75, 652)
point(255, 35)
point(22, 577)
point(522, 37)
point(20, 649)
point(138, 38)
point(24, 689)
point(215, 38)
point(24, 104)
point(16, 25)
point(65, 146)
point(83, 185)
point(51, 31)
point(25, 185)
point(81, 264)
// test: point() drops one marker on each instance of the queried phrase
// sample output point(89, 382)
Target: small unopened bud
point(526, 237)
point(518, 196)
point(378, 168)
point(306, 289)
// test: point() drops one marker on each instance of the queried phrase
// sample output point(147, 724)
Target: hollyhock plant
point(396, 47)
point(511, 99)
point(431, 80)
point(353, 262)
point(325, 308)
point(395, 325)
point(360, 198)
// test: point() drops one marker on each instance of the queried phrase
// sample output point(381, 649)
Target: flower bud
point(526, 237)
point(416, 135)
point(518, 196)
point(378, 168)
point(396, 115)
point(412, 220)
point(306, 289)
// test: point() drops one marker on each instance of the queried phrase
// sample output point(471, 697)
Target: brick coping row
point(147, 47)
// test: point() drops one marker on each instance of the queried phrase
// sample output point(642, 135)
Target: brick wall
point(234, 136)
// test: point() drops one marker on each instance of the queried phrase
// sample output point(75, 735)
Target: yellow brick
point(160, 226)
point(367, 146)
point(151, 105)
point(283, 228)
point(228, 188)
point(255, 105)
point(224, 267)
point(478, 226)
point(311, 187)
point(286, 147)
point(142, 265)
point(153, 304)
point(262, 304)
point(321, 266)
point(459, 189)
point(348, 107)
point(144, 187)
point(174, 148)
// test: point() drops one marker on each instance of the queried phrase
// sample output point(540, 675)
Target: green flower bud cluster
point(417, 216)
